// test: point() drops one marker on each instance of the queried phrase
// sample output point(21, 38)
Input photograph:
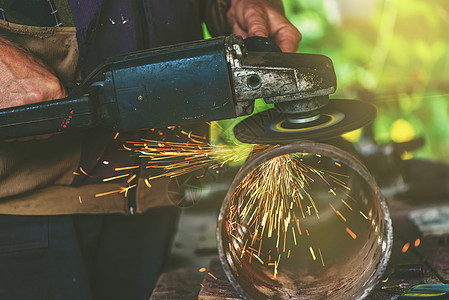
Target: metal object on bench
point(304, 221)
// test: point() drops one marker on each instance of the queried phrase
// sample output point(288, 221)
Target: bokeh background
point(392, 53)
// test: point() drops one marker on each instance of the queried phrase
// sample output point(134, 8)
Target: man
point(57, 240)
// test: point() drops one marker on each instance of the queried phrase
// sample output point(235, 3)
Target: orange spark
point(405, 247)
point(337, 212)
point(84, 172)
point(352, 234)
point(147, 182)
point(126, 168)
point(107, 193)
point(115, 177)
point(346, 187)
point(417, 242)
point(131, 178)
point(258, 258)
point(346, 204)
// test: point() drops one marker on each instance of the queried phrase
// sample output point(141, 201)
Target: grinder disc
point(334, 119)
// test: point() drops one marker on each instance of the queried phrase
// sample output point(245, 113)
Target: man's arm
point(25, 79)
point(31, 163)
point(263, 18)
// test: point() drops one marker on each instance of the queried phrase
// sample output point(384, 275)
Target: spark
point(352, 234)
point(364, 215)
point(417, 242)
point(115, 177)
point(344, 186)
point(131, 178)
point(337, 212)
point(349, 196)
point(275, 196)
point(126, 189)
point(321, 256)
point(127, 148)
point(107, 193)
point(84, 172)
point(337, 179)
point(147, 183)
point(312, 253)
point(266, 192)
point(258, 258)
point(210, 274)
point(81, 201)
point(121, 190)
point(344, 202)
point(201, 270)
point(175, 158)
point(276, 265)
point(405, 247)
point(126, 168)
point(271, 200)
point(294, 237)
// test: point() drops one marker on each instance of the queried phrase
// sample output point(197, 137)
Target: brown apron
point(35, 176)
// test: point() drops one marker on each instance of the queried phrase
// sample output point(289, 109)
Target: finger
point(235, 26)
point(285, 34)
point(288, 39)
point(257, 22)
point(239, 31)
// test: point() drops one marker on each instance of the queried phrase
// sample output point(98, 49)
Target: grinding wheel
point(334, 119)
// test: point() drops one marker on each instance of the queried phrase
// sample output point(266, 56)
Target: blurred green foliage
point(393, 53)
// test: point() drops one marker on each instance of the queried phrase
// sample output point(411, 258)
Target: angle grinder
point(202, 81)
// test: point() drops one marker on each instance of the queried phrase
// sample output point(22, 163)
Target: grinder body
point(186, 83)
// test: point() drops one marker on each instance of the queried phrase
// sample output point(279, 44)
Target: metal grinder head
point(299, 86)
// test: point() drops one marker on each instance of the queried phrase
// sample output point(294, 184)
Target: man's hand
point(25, 79)
point(264, 18)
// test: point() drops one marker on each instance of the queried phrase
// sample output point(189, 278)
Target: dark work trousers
point(84, 257)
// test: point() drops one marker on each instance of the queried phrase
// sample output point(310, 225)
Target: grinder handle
point(47, 117)
point(261, 44)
